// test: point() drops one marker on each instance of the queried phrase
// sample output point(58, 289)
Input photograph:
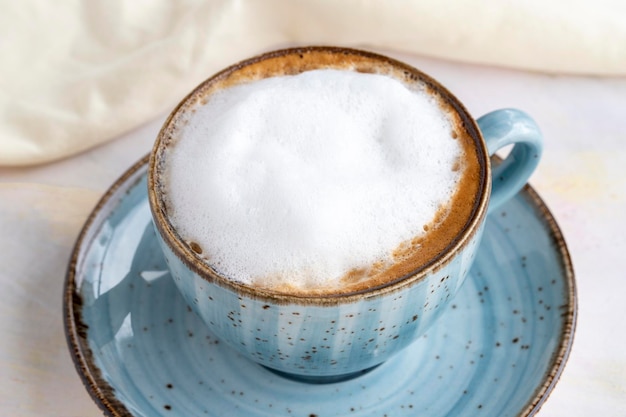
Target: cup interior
point(470, 212)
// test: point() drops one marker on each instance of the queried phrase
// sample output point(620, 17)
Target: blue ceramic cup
point(328, 338)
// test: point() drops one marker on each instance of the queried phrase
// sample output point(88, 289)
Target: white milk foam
point(303, 178)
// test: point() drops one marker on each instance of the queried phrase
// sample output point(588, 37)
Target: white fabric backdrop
point(75, 74)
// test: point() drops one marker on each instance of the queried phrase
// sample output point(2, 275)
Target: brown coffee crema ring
point(447, 233)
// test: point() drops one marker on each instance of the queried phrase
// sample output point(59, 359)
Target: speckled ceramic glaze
point(329, 338)
point(497, 349)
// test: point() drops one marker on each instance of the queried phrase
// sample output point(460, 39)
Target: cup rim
point(181, 250)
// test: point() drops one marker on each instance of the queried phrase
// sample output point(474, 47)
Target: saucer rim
point(103, 394)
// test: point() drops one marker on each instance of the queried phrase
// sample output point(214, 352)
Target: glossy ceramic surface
point(497, 351)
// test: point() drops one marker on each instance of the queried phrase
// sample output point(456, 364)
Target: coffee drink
point(317, 173)
point(320, 207)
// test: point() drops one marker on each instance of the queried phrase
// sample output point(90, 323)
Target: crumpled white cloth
point(75, 74)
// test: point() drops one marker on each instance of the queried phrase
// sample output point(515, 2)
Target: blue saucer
point(498, 350)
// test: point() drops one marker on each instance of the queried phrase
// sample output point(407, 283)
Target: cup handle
point(505, 127)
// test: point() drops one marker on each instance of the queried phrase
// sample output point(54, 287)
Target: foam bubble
point(301, 179)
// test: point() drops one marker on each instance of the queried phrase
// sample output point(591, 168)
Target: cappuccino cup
point(319, 207)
